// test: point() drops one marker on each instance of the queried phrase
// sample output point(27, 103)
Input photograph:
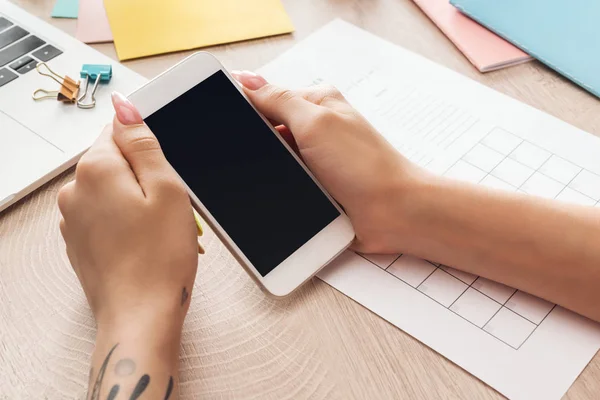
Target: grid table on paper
point(504, 161)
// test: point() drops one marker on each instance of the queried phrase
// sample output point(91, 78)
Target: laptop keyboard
point(20, 51)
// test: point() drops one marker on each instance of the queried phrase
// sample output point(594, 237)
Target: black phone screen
point(241, 172)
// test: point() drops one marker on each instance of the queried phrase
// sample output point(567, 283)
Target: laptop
point(41, 139)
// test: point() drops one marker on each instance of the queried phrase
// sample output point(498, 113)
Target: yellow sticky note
point(147, 27)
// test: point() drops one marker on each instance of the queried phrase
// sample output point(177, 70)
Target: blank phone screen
point(241, 172)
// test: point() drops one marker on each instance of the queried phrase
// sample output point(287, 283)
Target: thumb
point(277, 104)
point(139, 146)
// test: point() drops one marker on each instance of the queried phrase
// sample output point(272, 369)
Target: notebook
point(147, 27)
point(484, 49)
point(565, 35)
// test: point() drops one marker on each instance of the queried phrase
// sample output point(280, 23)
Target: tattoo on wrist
point(169, 388)
point(113, 393)
point(140, 387)
point(124, 367)
point(184, 296)
point(98, 384)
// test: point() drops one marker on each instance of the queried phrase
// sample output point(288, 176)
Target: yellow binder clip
point(200, 231)
point(69, 88)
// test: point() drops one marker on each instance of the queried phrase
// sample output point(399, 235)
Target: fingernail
point(126, 112)
point(250, 80)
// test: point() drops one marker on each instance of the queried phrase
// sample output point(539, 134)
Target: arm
point(134, 360)
point(547, 248)
point(543, 247)
point(132, 241)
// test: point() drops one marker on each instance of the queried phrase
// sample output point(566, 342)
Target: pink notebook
point(484, 49)
point(92, 23)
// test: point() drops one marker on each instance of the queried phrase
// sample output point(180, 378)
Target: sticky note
point(146, 27)
point(92, 24)
point(65, 9)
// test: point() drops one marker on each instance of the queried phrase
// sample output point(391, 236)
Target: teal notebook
point(563, 34)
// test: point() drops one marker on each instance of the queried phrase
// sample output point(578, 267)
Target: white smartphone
point(243, 178)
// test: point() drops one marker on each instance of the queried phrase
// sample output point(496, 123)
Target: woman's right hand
point(397, 207)
point(356, 165)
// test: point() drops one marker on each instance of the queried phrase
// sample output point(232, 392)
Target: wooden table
point(237, 343)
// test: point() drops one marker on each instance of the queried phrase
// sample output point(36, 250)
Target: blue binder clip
point(99, 74)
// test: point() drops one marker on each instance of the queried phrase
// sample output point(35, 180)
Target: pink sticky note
point(483, 48)
point(92, 24)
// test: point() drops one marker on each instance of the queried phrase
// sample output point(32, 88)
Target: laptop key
point(28, 67)
point(4, 23)
point(6, 76)
point(47, 53)
point(18, 64)
point(19, 49)
point(12, 35)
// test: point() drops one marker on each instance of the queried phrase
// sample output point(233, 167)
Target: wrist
point(407, 203)
point(426, 214)
point(413, 202)
point(162, 322)
point(394, 210)
point(161, 342)
point(148, 348)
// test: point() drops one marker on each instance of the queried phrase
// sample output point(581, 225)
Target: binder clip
point(200, 231)
point(69, 89)
point(97, 73)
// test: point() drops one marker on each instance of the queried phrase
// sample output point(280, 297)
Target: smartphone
point(243, 178)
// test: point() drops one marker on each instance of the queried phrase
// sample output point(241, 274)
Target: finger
point(104, 165)
point(140, 148)
point(358, 246)
point(63, 227)
point(287, 135)
point(76, 269)
point(105, 143)
point(65, 234)
point(321, 95)
point(65, 199)
point(327, 96)
point(277, 104)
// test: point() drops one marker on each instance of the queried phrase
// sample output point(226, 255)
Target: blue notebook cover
point(563, 34)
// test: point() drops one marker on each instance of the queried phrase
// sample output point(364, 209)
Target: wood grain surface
point(237, 343)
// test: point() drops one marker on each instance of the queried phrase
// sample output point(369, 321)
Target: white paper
point(524, 347)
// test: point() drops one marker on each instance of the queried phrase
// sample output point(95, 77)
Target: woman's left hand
point(132, 241)
point(128, 224)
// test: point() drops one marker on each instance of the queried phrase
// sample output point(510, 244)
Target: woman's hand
point(132, 241)
point(128, 225)
point(396, 207)
point(356, 165)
